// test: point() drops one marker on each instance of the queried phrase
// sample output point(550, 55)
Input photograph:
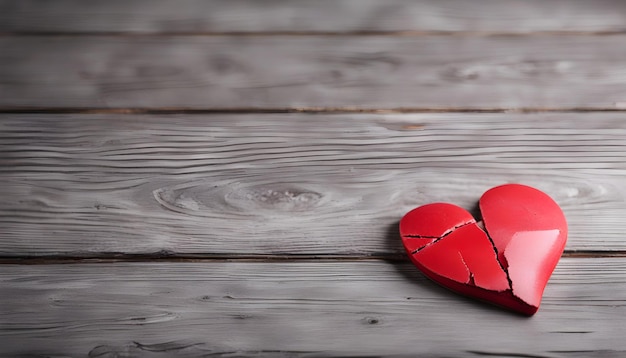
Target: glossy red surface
point(507, 263)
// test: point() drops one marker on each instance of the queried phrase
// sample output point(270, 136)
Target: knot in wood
point(287, 199)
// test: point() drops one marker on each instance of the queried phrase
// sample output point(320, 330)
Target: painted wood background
point(225, 178)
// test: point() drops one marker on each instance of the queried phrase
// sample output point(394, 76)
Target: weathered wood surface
point(248, 16)
point(286, 187)
point(371, 72)
point(344, 308)
point(291, 183)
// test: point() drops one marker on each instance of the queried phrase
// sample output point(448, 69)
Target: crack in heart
point(503, 265)
point(471, 280)
point(481, 226)
point(437, 238)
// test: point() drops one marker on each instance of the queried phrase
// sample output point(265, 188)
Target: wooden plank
point(372, 72)
point(145, 16)
point(291, 183)
point(298, 309)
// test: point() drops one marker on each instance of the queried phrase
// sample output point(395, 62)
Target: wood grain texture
point(298, 309)
point(372, 72)
point(76, 188)
point(291, 183)
point(248, 16)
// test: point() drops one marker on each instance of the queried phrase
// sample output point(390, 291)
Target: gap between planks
point(398, 33)
point(310, 110)
point(167, 256)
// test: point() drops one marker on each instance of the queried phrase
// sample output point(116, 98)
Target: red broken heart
point(508, 261)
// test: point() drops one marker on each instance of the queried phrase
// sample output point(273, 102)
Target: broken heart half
point(506, 260)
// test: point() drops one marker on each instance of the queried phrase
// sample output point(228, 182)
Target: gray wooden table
point(225, 178)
